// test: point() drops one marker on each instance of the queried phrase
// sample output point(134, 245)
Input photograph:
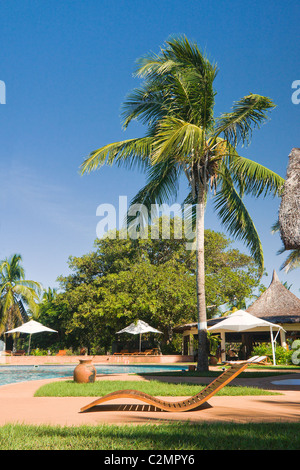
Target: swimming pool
point(14, 374)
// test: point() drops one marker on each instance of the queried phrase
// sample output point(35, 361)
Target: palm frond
point(35, 287)
point(292, 261)
point(275, 227)
point(184, 78)
point(187, 54)
point(177, 137)
point(236, 219)
point(129, 153)
point(162, 187)
point(147, 104)
point(257, 179)
point(28, 295)
point(247, 113)
point(7, 302)
point(10, 268)
point(152, 66)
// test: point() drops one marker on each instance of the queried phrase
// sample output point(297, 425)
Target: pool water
point(14, 374)
point(287, 382)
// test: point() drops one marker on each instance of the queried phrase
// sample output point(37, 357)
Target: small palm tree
point(49, 295)
point(15, 291)
point(176, 102)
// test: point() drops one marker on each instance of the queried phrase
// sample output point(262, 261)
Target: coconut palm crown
point(176, 104)
point(15, 291)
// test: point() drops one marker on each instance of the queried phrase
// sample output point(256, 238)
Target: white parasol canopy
point(138, 328)
point(244, 321)
point(31, 327)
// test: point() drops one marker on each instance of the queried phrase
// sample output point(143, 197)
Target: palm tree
point(49, 295)
point(176, 102)
point(16, 291)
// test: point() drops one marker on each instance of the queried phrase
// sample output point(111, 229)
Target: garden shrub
point(282, 355)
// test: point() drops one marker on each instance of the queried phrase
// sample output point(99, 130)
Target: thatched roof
point(289, 212)
point(277, 304)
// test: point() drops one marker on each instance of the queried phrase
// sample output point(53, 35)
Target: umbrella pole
point(29, 345)
point(273, 350)
point(140, 347)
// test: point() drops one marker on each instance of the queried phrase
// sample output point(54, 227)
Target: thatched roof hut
point(289, 212)
point(277, 304)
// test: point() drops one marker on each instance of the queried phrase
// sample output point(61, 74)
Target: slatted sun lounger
point(184, 405)
point(264, 360)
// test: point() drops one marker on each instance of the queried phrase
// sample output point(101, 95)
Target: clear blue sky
point(68, 65)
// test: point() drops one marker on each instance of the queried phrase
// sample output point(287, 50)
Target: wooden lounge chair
point(148, 352)
point(265, 360)
point(19, 352)
point(231, 363)
point(184, 405)
point(123, 352)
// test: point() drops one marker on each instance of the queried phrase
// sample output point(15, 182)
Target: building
point(277, 305)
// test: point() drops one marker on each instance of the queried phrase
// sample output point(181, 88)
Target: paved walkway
point(18, 405)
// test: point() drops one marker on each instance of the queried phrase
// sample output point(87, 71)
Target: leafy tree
point(176, 103)
point(124, 280)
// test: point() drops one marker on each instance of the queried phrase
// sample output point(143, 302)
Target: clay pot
point(213, 360)
point(84, 372)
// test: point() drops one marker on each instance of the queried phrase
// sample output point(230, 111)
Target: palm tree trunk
point(200, 280)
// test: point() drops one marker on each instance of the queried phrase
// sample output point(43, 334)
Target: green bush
point(282, 355)
point(39, 352)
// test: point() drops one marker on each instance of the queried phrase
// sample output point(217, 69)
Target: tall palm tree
point(176, 103)
point(15, 291)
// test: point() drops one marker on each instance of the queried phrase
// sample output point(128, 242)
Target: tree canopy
point(123, 280)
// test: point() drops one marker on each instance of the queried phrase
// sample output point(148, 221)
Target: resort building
point(276, 305)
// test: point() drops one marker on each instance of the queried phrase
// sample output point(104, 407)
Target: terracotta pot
point(84, 372)
point(213, 361)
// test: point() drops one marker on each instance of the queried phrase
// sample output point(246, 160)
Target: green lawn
point(68, 388)
point(173, 436)
point(161, 436)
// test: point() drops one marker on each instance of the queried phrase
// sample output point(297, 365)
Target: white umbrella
point(31, 327)
point(138, 328)
point(244, 321)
